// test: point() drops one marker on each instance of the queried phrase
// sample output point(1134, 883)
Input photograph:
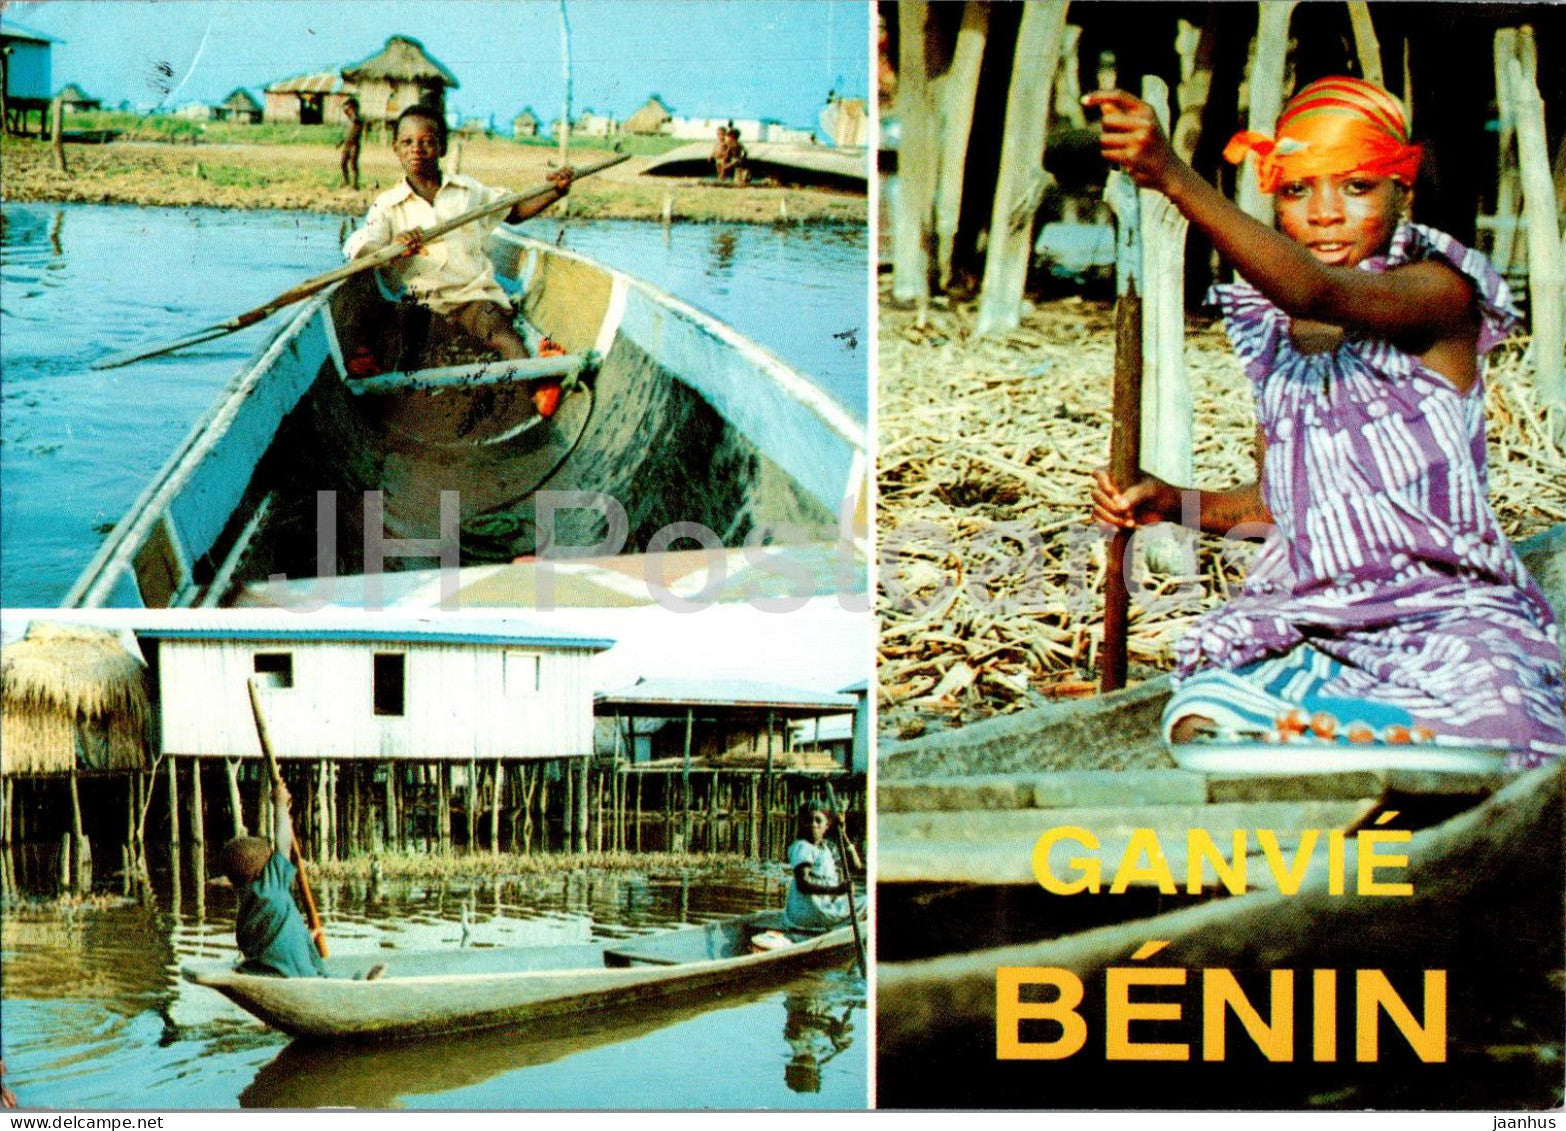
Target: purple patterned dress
point(1387, 556)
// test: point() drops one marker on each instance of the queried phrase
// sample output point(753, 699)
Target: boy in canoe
point(268, 927)
point(453, 277)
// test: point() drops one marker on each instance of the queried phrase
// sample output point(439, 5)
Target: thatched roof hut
point(397, 76)
point(72, 696)
point(240, 106)
point(525, 124)
point(649, 119)
point(73, 99)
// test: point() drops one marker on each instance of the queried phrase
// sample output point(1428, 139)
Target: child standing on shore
point(1387, 605)
point(350, 146)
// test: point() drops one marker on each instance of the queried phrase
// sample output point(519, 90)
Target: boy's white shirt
point(455, 269)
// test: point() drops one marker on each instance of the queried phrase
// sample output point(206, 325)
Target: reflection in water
point(56, 227)
point(817, 1030)
point(97, 1015)
point(724, 242)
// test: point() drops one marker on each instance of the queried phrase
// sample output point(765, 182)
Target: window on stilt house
point(391, 682)
point(278, 665)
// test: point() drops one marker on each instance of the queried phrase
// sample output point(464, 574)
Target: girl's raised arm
point(1426, 302)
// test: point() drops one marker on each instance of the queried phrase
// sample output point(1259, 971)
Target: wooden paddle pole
point(312, 916)
point(1125, 437)
point(380, 258)
point(848, 882)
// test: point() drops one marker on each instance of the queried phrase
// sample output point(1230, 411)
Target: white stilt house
point(381, 688)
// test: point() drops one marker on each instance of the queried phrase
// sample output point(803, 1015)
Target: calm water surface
point(78, 282)
point(96, 1016)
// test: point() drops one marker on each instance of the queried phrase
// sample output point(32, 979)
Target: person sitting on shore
point(350, 145)
point(816, 894)
point(268, 927)
point(454, 277)
point(1386, 605)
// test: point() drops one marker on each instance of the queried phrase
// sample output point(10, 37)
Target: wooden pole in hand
point(848, 882)
point(312, 916)
point(1125, 437)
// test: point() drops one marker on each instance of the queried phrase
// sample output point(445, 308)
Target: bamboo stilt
point(471, 814)
point(443, 811)
point(912, 226)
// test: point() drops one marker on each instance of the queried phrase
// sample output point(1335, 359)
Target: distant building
point(399, 75)
point(27, 81)
point(649, 119)
point(194, 112)
point(595, 125)
point(525, 124)
point(751, 130)
point(240, 106)
point(306, 100)
point(845, 122)
point(75, 100)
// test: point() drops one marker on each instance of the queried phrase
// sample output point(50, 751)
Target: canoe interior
point(673, 419)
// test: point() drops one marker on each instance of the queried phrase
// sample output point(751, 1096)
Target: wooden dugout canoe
point(451, 991)
point(677, 418)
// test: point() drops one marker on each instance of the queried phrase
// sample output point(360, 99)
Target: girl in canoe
point(271, 933)
point(816, 894)
point(1386, 605)
point(454, 278)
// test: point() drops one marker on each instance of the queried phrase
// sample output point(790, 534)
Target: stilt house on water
point(383, 728)
point(729, 740)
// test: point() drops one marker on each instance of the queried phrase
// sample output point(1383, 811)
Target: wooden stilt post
point(543, 808)
point(636, 840)
point(581, 806)
point(913, 222)
point(598, 836)
point(1546, 271)
point(1021, 182)
point(198, 832)
point(81, 849)
point(1509, 185)
point(755, 819)
point(1366, 45)
point(56, 135)
point(236, 808)
point(1268, 60)
point(443, 801)
point(173, 780)
point(685, 783)
point(472, 805)
point(955, 93)
point(494, 812)
point(1197, 48)
point(766, 797)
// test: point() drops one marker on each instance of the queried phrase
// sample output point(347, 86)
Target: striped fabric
point(1334, 125)
point(1387, 556)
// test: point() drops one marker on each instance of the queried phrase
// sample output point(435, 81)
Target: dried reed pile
point(990, 574)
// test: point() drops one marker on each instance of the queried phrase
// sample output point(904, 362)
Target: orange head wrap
point(1334, 125)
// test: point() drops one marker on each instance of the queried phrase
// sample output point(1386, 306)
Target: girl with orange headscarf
point(1386, 607)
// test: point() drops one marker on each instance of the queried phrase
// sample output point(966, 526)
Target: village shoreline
point(305, 177)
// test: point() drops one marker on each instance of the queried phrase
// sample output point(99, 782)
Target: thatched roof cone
point(402, 59)
point(71, 696)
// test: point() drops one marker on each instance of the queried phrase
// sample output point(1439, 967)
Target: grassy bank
point(485, 865)
point(302, 173)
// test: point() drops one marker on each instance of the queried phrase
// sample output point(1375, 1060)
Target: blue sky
point(707, 58)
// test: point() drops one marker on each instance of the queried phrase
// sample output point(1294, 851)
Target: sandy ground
point(306, 177)
point(991, 578)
